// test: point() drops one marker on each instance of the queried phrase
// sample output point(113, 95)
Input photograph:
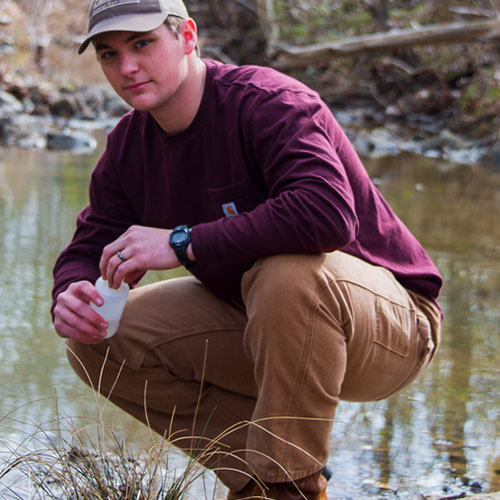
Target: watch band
point(179, 240)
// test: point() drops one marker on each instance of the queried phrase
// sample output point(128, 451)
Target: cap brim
point(133, 22)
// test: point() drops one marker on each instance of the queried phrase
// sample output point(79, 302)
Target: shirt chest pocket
point(234, 199)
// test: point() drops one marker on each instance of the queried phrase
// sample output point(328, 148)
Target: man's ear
point(189, 34)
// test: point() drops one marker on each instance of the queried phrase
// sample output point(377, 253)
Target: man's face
point(145, 69)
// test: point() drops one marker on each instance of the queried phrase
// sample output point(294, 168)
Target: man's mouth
point(135, 87)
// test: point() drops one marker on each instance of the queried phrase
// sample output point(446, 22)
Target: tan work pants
point(314, 329)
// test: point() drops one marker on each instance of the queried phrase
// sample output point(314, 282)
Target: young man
point(306, 288)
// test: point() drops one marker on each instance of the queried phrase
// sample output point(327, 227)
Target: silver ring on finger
point(121, 256)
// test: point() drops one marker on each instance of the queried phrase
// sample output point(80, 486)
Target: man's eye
point(143, 43)
point(106, 55)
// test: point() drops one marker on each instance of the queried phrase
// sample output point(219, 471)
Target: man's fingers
point(80, 331)
point(73, 316)
point(110, 259)
point(83, 291)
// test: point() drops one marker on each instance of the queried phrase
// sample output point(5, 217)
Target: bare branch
point(321, 53)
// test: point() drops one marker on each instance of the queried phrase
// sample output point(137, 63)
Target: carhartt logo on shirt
point(229, 209)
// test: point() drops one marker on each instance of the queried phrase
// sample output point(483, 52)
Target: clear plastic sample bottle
point(114, 302)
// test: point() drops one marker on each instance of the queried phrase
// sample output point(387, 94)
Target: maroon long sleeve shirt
point(263, 169)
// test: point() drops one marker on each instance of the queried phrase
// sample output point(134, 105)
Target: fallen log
point(288, 57)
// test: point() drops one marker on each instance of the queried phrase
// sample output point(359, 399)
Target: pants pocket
point(395, 327)
point(415, 347)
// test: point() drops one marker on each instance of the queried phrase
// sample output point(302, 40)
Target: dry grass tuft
point(63, 460)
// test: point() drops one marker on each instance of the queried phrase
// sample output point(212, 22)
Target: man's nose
point(128, 64)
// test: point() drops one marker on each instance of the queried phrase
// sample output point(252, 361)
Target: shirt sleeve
point(293, 138)
point(107, 215)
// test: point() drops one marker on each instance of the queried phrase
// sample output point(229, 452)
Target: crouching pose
point(303, 287)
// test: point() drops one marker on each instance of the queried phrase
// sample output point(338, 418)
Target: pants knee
point(281, 279)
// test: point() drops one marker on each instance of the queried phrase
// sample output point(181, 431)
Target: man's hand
point(74, 318)
point(136, 251)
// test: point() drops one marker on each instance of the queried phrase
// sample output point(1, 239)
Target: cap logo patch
point(229, 209)
point(101, 5)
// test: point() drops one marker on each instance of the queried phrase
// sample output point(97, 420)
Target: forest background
point(453, 85)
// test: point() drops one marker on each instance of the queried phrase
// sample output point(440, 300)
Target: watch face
point(178, 237)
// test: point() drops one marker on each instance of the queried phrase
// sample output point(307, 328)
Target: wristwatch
point(179, 240)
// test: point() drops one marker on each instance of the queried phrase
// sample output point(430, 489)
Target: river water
point(440, 436)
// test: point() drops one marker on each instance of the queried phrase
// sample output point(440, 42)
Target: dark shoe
point(312, 487)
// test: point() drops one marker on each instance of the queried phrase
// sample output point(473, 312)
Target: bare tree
point(38, 11)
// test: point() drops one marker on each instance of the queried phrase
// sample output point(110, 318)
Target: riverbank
point(43, 114)
point(441, 103)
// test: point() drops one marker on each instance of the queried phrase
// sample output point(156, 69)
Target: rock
point(70, 140)
point(449, 140)
point(9, 103)
point(481, 496)
point(32, 140)
point(7, 130)
point(114, 106)
point(491, 158)
point(7, 45)
point(377, 143)
point(65, 107)
point(22, 131)
point(5, 20)
point(374, 487)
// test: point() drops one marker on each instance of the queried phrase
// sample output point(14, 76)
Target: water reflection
point(442, 431)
